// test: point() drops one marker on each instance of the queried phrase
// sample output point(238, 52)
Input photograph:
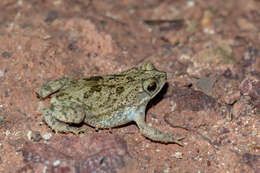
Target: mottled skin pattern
point(105, 102)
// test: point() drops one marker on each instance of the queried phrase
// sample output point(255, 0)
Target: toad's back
point(101, 94)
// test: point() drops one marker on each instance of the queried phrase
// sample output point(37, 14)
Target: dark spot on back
point(94, 78)
point(86, 95)
point(61, 94)
point(111, 86)
point(52, 107)
point(129, 78)
point(95, 88)
point(119, 90)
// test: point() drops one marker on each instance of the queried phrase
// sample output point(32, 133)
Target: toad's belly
point(115, 119)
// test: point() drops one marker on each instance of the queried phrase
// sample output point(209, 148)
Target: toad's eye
point(150, 85)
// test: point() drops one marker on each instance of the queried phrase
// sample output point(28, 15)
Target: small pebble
point(34, 136)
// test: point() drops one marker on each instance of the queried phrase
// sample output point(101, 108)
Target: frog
point(105, 102)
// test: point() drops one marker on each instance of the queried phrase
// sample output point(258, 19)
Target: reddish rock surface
point(96, 153)
point(209, 49)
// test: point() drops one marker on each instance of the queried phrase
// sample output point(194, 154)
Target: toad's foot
point(154, 134)
point(59, 126)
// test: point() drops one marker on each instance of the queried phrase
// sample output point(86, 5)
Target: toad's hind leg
point(59, 126)
point(68, 112)
point(53, 86)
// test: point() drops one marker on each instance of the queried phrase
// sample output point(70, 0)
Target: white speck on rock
point(19, 47)
point(166, 170)
point(46, 37)
point(20, 2)
point(44, 170)
point(208, 31)
point(17, 133)
point(177, 155)
point(29, 135)
point(190, 3)
point(56, 162)
point(47, 136)
point(185, 57)
point(173, 106)
point(2, 73)
point(7, 132)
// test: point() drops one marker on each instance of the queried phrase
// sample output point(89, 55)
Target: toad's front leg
point(151, 132)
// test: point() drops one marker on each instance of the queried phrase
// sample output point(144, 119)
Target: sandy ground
point(209, 49)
